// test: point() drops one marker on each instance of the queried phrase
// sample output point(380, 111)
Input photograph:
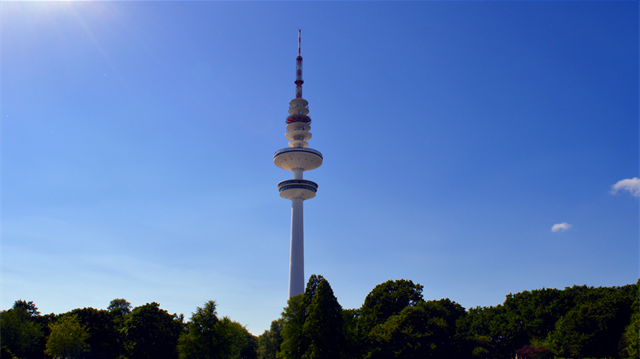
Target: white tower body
point(297, 158)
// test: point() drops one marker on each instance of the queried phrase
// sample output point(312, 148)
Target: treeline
point(394, 322)
point(146, 332)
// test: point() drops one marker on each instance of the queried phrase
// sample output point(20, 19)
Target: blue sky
point(137, 143)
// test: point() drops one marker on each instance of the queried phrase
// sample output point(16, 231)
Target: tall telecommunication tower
point(297, 159)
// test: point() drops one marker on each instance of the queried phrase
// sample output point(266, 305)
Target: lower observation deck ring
point(297, 188)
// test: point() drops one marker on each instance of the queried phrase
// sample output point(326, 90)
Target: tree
point(533, 314)
point(104, 338)
point(151, 333)
point(294, 343)
point(250, 348)
point(352, 338)
point(205, 337)
point(29, 306)
point(269, 342)
point(592, 328)
point(310, 290)
point(67, 339)
point(630, 342)
point(306, 331)
point(20, 332)
point(6, 353)
point(323, 325)
point(208, 337)
point(477, 331)
point(387, 299)
point(120, 305)
point(426, 330)
point(242, 343)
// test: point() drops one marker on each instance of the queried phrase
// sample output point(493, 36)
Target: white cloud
point(630, 184)
point(560, 227)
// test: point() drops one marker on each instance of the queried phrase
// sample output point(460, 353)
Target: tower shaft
point(296, 259)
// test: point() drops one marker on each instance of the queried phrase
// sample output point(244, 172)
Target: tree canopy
point(387, 299)
point(120, 305)
point(151, 333)
point(68, 338)
point(394, 322)
point(20, 332)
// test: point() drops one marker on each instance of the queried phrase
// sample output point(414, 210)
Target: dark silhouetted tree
point(426, 330)
point(387, 299)
point(592, 329)
point(323, 325)
point(294, 342)
point(151, 333)
point(120, 305)
point(630, 342)
point(29, 306)
point(269, 342)
point(104, 340)
point(6, 353)
point(21, 333)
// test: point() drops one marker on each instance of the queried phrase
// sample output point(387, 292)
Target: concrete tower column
point(296, 263)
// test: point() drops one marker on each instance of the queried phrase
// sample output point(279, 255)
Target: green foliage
point(426, 330)
point(29, 306)
point(394, 322)
point(593, 328)
point(294, 342)
point(241, 341)
point(250, 348)
point(151, 333)
point(311, 289)
point(67, 339)
point(480, 352)
point(323, 325)
point(522, 318)
point(352, 338)
point(269, 342)
point(120, 305)
point(477, 330)
point(208, 337)
point(203, 338)
point(21, 333)
point(104, 339)
point(631, 338)
point(387, 299)
point(534, 313)
point(6, 353)
point(312, 323)
point(547, 318)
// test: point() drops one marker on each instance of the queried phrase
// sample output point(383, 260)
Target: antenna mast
point(299, 80)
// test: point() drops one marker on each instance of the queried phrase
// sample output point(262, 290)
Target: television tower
point(297, 159)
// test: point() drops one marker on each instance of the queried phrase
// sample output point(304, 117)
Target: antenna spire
point(299, 80)
point(298, 109)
